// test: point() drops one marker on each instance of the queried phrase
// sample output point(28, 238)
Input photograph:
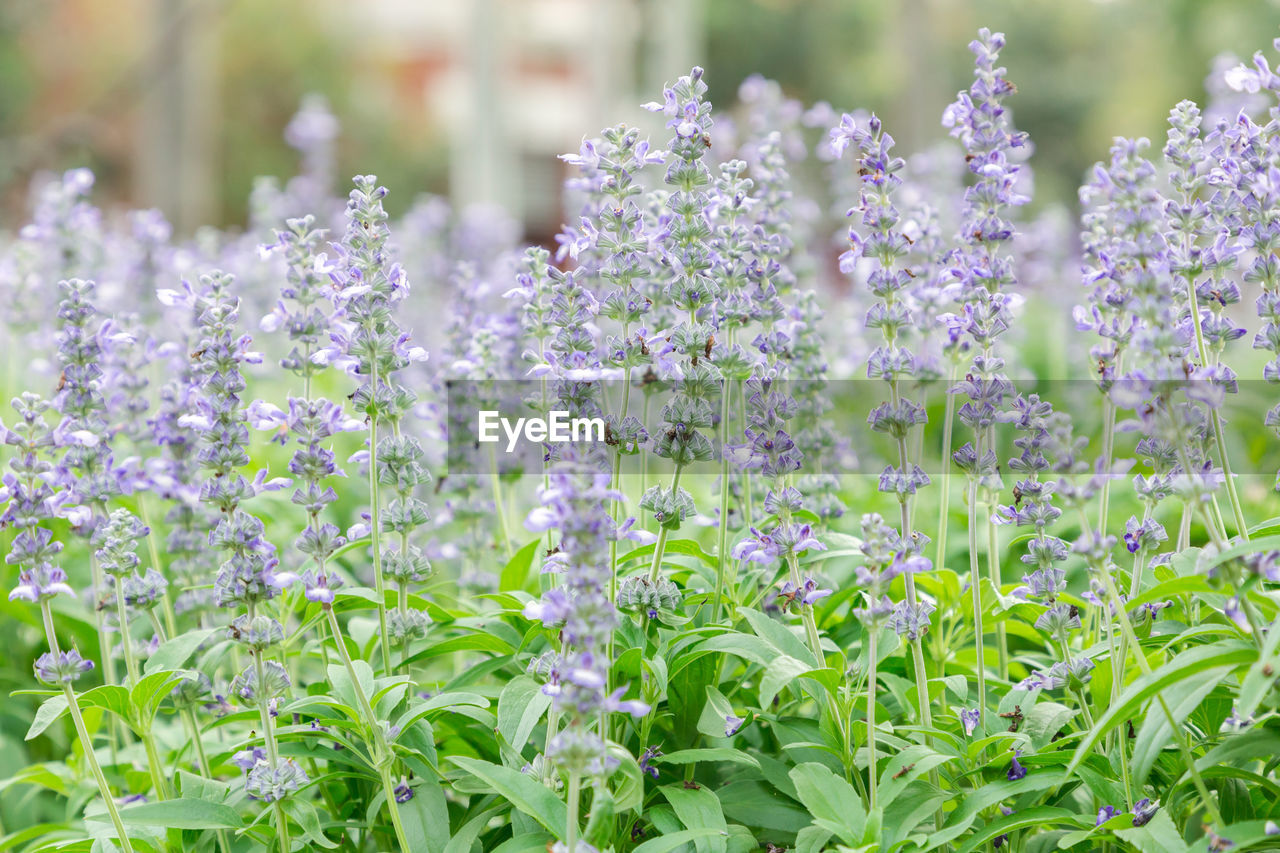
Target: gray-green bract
point(266, 593)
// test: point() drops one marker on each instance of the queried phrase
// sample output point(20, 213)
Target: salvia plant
point(893, 516)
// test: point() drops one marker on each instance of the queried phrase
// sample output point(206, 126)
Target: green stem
point(269, 739)
point(375, 524)
point(202, 762)
point(1188, 759)
point(104, 649)
point(993, 571)
point(872, 631)
point(154, 551)
point(571, 820)
point(976, 594)
point(658, 547)
point(722, 543)
point(1193, 303)
point(382, 755)
point(499, 504)
point(944, 504)
point(86, 742)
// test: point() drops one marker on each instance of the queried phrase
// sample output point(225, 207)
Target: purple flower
point(650, 753)
point(732, 724)
point(320, 586)
point(403, 793)
point(246, 759)
point(1143, 811)
point(1000, 840)
point(57, 668)
point(1016, 771)
point(268, 784)
point(43, 581)
point(1105, 814)
point(969, 718)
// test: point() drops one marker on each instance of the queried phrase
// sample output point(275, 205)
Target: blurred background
point(179, 104)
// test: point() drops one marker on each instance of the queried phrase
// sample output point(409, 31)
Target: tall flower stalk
point(33, 551)
point(978, 118)
point(877, 237)
point(683, 355)
point(247, 578)
point(575, 503)
point(370, 344)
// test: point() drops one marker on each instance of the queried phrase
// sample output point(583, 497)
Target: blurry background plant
point(473, 98)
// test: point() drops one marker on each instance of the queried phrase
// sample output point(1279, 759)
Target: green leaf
point(1155, 733)
point(684, 547)
point(628, 779)
point(896, 776)
point(108, 697)
point(53, 708)
point(1038, 816)
point(698, 809)
point(693, 756)
point(812, 839)
point(780, 672)
point(987, 797)
point(344, 690)
point(305, 814)
point(426, 817)
point(521, 790)
point(764, 806)
point(149, 692)
point(520, 705)
point(717, 708)
point(1224, 655)
point(183, 813)
point(200, 788)
point(674, 840)
point(831, 800)
point(516, 573)
point(1258, 683)
point(465, 643)
point(745, 646)
point(174, 654)
point(1159, 835)
point(778, 635)
point(1045, 720)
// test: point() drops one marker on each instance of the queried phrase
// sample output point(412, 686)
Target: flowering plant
point(288, 597)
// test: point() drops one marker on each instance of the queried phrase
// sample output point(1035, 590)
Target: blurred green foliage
point(1085, 70)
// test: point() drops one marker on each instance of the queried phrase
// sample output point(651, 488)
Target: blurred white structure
point(518, 82)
